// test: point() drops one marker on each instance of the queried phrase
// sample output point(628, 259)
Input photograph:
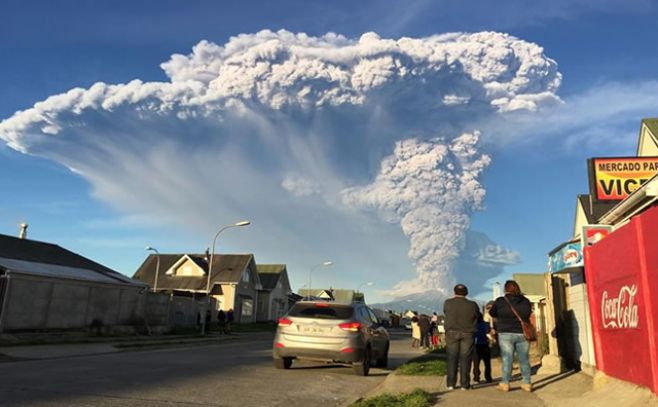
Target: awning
point(565, 256)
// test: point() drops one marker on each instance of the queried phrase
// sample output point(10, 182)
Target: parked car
point(331, 332)
point(406, 322)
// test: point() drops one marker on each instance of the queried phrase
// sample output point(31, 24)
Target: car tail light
point(284, 322)
point(279, 345)
point(322, 305)
point(350, 326)
point(347, 350)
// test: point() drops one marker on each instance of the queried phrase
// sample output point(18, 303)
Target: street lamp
point(212, 256)
point(157, 265)
point(324, 264)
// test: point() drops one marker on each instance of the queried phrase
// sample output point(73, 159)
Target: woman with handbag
point(512, 313)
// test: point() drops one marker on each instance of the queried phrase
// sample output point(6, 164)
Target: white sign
point(620, 312)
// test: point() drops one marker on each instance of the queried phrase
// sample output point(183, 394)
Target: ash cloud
point(327, 124)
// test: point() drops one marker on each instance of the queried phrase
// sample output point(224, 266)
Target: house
point(233, 284)
point(44, 287)
point(273, 300)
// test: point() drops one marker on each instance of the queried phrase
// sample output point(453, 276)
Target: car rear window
point(322, 310)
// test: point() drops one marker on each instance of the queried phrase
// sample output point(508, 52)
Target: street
point(230, 374)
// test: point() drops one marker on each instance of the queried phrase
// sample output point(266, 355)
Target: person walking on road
point(415, 332)
point(510, 333)
point(461, 316)
point(424, 325)
point(221, 321)
point(482, 351)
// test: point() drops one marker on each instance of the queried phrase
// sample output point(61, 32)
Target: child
point(482, 351)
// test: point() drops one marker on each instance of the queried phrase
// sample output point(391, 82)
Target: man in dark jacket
point(424, 325)
point(461, 317)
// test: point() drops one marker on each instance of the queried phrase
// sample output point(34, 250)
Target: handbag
point(529, 331)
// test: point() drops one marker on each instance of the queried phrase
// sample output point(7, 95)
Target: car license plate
point(314, 330)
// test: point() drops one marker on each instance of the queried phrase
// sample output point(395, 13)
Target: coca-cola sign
point(620, 311)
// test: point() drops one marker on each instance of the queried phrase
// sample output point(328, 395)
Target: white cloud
point(234, 120)
point(300, 186)
point(602, 120)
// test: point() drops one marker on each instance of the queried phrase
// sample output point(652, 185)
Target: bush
point(417, 398)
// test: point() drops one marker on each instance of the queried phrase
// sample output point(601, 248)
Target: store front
point(622, 275)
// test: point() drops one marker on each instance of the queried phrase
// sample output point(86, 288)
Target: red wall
point(622, 278)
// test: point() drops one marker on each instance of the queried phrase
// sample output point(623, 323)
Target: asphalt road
point(230, 374)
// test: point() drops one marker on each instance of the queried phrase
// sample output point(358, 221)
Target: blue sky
point(605, 51)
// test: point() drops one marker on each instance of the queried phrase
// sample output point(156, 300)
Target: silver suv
point(331, 332)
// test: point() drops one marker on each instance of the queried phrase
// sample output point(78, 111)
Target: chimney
point(23, 232)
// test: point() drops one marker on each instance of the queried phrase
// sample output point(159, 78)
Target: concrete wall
point(40, 303)
point(183, 312)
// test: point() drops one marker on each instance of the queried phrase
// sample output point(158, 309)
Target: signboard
point(614, 178)
point(622, 285)
point(592, 234)
point(568, 255)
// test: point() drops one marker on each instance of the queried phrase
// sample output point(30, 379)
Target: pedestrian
point(415, 332)
point(461, 316)
point(208, 319)
point(510, 333)
point(221, 321)
point(229, 320)
point(424, 325)
point(482, 351)
point(435, 318)
point(434, 335)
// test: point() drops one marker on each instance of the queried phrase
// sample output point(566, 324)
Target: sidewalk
point(552, 390)
point(118, 344)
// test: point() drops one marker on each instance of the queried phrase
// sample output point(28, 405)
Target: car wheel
point(383, 361)
point(362, 368)
point(282, 363)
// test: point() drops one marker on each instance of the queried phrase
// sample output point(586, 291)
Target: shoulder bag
point(529, 331)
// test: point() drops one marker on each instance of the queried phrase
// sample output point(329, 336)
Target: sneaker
point(466, 388)
point(450, 388)
point(503, 387)
point(526, 387)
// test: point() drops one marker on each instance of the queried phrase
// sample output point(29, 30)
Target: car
point(331, 332)
point(406, 322)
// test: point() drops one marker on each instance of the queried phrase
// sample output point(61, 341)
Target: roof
point(269, 274)
point(226, 269)
point(594, 209)
point(652, 124)
point(46, 259)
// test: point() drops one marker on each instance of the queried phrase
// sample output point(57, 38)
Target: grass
point(417, 398)
point(428, 365)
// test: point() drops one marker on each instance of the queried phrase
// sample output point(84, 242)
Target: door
point(378, 333)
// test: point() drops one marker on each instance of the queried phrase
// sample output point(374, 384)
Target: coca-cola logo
point(620, 312)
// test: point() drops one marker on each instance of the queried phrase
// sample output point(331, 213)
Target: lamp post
point(157, 265)
point(212, 256)
point(323, 264)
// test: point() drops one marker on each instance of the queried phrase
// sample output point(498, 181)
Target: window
point(247, 308)
point(322, 310)
point(245, 276)
point(373, 317)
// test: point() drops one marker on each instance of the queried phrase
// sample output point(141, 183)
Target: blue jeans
point(509, 343)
